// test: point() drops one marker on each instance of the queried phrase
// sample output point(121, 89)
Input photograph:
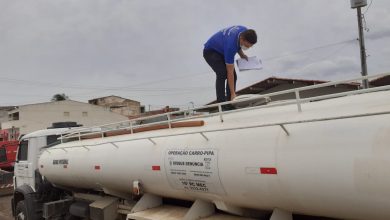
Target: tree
point(59, 97)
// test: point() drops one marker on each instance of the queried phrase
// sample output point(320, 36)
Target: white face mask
point(244, 47)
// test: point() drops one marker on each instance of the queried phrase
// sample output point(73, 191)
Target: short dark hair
point(250, 36)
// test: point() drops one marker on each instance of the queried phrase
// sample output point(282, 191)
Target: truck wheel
point(21, 212)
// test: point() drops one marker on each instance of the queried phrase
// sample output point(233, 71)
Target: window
point(23, 149)
point(52, 140)
point(13, 116)
point(66, 114)
point(3, 154)
point(85, 114)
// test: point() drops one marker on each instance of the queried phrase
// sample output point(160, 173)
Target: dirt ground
point(5, 208)
point(6, 212)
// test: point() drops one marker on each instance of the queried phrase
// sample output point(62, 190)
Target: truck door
point(24, 172)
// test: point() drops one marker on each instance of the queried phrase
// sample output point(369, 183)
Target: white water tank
point(333, 168)
point(358, 3)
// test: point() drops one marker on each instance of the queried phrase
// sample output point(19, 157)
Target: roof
point(16, 109)
point(276, 81)
point(273, 81)
point(50, 102)
point(7, 108)
point(381, 81)
point(110, 96)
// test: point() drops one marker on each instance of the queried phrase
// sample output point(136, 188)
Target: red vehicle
point(8, 149)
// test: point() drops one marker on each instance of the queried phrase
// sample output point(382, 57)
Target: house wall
point(119, 105)
point(4, 113)
point(40, 116)
point(3, 116)
point(131, 108)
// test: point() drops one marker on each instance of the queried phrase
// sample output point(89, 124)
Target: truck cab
point(28, 184)
point(8, 149)
point(27, 156)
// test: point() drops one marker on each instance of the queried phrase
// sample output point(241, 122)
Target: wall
point(119, 105)
point(40, 116)
point(4, 114)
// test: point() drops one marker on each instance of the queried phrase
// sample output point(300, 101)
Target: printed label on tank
point(60, 162)
point(193, 170)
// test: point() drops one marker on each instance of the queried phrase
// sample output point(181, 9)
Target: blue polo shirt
point(226, 42)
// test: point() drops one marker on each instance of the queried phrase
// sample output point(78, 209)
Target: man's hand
point(243, 55)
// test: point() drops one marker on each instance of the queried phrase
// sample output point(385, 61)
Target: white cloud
point(124, 43)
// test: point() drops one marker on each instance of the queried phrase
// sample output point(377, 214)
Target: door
point(24, 172)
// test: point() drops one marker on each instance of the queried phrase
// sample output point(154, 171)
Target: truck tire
point(21, 211)
point(71, 217)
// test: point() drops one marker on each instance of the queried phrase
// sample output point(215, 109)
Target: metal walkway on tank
point(131, 126)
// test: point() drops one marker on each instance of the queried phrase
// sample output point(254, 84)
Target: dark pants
point(217, 63)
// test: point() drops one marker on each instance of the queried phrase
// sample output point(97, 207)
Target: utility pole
point(358, 4)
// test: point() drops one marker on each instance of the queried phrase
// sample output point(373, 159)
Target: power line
point(127, 88)
point(137, 88)
point(368, 7)
point(310, 49)
point(323, 57)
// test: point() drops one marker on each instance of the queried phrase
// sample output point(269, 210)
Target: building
point(27, 118)
point(276, 84)
point(4, 113)
point(381, 81)
point(126, 107)
point(158, 112)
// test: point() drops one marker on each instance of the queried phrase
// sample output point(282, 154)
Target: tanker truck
point(325, 155)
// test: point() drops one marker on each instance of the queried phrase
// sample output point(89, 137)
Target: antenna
point(358, 4)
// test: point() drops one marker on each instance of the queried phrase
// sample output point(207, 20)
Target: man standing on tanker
point(219, 52)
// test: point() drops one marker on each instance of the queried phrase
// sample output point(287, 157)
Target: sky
point(151, 50)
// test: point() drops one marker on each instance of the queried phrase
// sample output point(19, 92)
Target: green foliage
point(59, 97)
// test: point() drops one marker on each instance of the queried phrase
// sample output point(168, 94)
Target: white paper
point(253, 63)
